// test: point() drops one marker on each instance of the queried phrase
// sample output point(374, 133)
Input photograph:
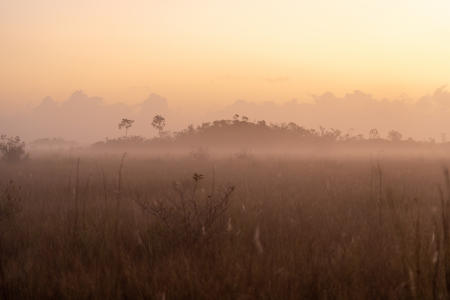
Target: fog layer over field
point(88, 118)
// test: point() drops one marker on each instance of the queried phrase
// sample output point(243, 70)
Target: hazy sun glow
point(219, 51)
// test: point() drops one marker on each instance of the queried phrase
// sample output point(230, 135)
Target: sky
point(209, 53)
point(73, 69)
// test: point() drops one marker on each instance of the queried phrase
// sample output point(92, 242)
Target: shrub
point(12, 149)
point(190, 217)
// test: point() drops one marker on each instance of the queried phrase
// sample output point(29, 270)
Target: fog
point(87, 118)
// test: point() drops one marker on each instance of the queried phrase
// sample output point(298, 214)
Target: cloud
point(429, 116)
point(154, 104)
point(88, 118)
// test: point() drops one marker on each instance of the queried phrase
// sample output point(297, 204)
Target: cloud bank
point(87, 118)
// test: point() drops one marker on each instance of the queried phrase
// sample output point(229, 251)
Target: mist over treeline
point(89, 119)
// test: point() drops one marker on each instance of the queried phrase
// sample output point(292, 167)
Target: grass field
point(237, 227)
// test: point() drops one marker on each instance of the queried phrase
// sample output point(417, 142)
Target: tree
point(159, 122)
point(12, 148)
point(395, 136)
point(126, 123)
point(262, 123)
point(374, 134)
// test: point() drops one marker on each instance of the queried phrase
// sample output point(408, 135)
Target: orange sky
point(213, 52)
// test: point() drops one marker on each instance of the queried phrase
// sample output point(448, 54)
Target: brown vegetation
point(243, 227)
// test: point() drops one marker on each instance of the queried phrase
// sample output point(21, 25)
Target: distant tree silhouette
point(262, 123)
point(374, 134)
point(395, 136)
point(159, 122)
point(245, 118)
point(238, 132)
point(126, 123)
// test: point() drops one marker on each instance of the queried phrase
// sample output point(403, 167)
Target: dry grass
point(105, 228)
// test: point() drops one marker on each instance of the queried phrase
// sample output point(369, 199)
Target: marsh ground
point(97, 227)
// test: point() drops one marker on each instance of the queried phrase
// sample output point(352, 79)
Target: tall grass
point(230, 228)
